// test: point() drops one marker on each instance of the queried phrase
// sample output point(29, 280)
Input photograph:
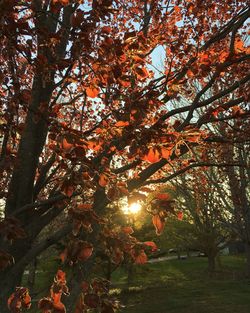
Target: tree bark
point(211, 263)
point(247, 247)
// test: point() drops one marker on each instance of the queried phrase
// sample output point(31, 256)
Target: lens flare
point(133, 208)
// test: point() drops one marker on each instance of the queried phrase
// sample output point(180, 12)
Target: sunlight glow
point(133, 208)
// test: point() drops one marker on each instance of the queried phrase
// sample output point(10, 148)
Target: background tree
point(206, 214)
point(84, 118)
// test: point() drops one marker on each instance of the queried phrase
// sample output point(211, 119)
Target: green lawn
point(185, 286)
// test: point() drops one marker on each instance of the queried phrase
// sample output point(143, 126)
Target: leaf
point(180, 215)
point(152, 245)
point(45, 304)
point(19, 299)
point(86, 251)
point(162, 196)
point(223, 56)
point(61, 276)
point(67, 189)
point(106, 29)
point(159, 224)
point(153, 156)
point(123, 190)
point(128, 230)
point(84, 206)
point(166, 153)
point(94, 145)
point(121, 124)
point(141, 72)
point(92, 92)
point(103, 180)
point(141, 258)
point(63, 255)
point(239, 45)
point(66, 145)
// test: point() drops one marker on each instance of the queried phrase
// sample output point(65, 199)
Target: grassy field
point(173, 286)
point(185, 286)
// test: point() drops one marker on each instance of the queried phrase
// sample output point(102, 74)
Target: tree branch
point(183, 170)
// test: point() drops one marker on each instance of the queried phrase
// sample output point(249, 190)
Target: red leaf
point(103, 180)
point(158, 223)
point(152, 245)
point(86, 252)
point(180, 215)
point(67, 190)
point(162, 196)
point(106, 29)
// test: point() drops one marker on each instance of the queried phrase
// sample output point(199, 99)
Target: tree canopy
point(89, 115)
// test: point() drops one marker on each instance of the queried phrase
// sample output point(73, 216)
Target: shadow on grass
point(185, 286)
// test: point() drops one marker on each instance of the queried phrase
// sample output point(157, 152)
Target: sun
point(133, 208)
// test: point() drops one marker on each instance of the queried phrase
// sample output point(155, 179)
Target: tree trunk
point(32, 275)
point(130, 273)
point(247, 247)
point(7, 284)
point(211, 263)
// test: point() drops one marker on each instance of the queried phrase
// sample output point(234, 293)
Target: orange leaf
point(152, 156)
point(124, 83)
point(141, 258)
point(223, 56)
point(103, 180)
point(94, 145)
point(66, 145)
point(92, 92)
point(63, 255)
point(239, 45)
point(162, 196)
point(141, 72)
point(138, 59)
point(165, 153)
point(121, 124)
point(85, 206)
point(158, 223)
point(152, 245)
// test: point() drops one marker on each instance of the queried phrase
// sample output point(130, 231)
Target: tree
point(206, 214)
point(85, 117)
point(232, 182)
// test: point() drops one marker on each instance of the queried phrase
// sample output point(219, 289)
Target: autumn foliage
point(90, 116)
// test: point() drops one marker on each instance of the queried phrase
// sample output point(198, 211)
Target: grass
point(185, 286)
point(172, 286)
